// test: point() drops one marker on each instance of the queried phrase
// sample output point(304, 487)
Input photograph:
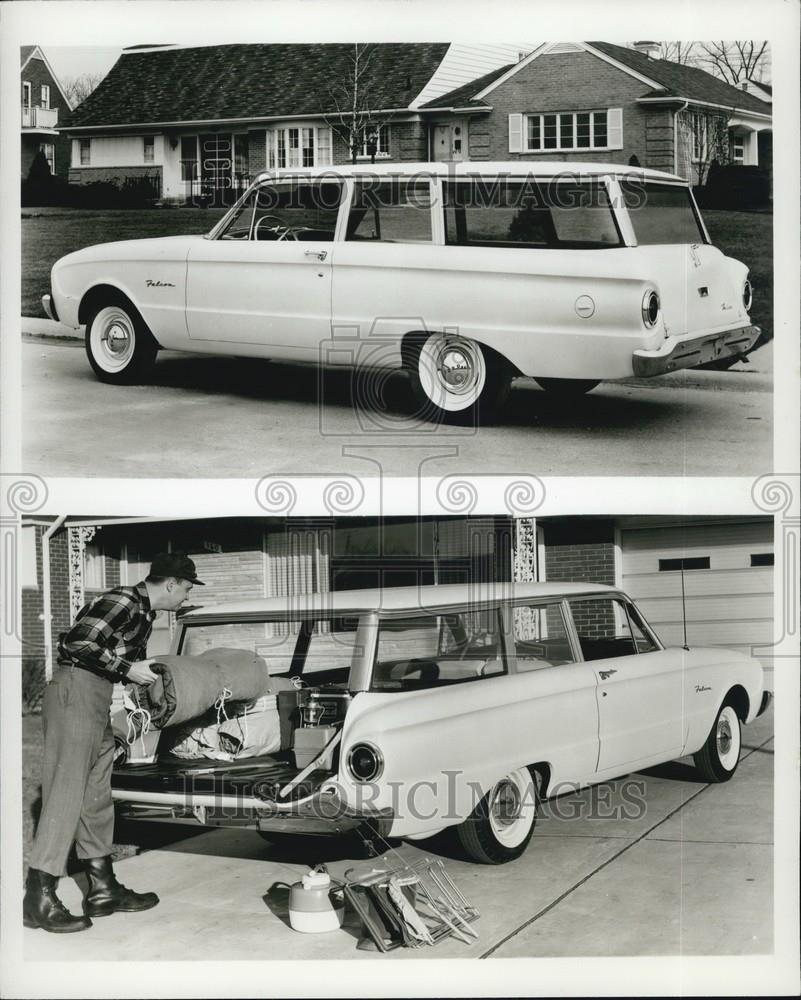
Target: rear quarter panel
point(445, 747)
point(710, 675)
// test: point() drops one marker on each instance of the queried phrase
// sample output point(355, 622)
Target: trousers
point(77, 806)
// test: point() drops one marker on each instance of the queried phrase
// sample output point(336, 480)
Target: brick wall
point(582, 551)
point(572, 82)
point(36, 73)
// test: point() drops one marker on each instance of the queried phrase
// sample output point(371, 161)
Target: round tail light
point(748, 295)
point(650, 308)
point(365, 762)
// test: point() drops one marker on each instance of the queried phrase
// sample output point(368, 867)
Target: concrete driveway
point(653, 864)
point(203, 416)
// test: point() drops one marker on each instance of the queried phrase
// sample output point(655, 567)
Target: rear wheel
point(718, 758)
point(456, 380)
point(500, 827)
point(567, 386)
point(120, 348)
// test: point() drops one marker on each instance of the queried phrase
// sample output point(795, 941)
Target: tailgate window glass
point(540, 637)
point(503, 213)
point(661, 214)
point(396, 211)
point(426, 651)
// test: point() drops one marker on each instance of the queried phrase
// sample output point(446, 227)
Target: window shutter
point(515, 133)
point(615, 128)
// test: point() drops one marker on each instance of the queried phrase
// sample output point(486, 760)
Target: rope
point(219, 705)
point(139, 716)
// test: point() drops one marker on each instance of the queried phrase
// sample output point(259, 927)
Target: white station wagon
point(465, 275)
point(450, 706)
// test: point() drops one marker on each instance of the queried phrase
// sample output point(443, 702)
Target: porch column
point(77, 539)
point(524, 550)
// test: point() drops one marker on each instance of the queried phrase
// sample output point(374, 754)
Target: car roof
point(467, 168)
point(392, 600)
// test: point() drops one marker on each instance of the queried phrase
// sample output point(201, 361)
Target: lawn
point(49, 233)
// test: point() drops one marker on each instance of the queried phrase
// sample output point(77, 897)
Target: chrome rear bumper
point(676, 354)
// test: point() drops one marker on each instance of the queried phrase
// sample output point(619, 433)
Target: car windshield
point(325, 647)
point(661, 214)
point(424, 651)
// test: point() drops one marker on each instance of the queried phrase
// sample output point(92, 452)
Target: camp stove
point(322, 707)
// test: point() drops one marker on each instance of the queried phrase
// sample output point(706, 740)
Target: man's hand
point(140, 672)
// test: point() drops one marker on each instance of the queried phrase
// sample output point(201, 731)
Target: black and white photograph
point(399, 491)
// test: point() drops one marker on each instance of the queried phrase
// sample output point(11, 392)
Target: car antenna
point(683, 607)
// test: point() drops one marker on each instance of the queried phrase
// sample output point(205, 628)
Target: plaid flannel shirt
point(110, 632)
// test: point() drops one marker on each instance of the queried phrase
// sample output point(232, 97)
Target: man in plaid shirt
point(106, 644)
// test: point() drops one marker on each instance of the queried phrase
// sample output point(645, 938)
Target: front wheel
point(119, 346)
point(567, 386)
point(456, 380)
point(718, 758)
point(500, 827)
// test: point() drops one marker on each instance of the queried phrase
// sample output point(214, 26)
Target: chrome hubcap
point(117, 340)
point(724, 737)
point(506, 804)
point(456, 370)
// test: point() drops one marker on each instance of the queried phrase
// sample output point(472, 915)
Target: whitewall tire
point(718, 758)
point(454, 378)
point(500, 827)
point(119, 346)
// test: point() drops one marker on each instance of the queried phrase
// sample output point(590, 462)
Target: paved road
point(691, 873)
point(215, 417)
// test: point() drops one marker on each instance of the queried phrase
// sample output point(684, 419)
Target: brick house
point(598, 101)
point(204, 120)
point(44, 110)
point(726, 563)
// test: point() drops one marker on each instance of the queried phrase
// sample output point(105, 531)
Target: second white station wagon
point(465, 275)
point(416, 709)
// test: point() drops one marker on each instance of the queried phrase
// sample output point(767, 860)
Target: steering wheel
point(278, 225)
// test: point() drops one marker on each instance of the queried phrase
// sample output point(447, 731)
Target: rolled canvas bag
point(187, 686)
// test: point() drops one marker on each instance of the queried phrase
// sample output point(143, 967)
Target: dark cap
point(175, 564)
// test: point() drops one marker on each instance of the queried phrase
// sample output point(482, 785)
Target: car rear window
point(661, 214)
point(499, 212)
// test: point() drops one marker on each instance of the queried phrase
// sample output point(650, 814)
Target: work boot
point(41, 907)
point(106, 895)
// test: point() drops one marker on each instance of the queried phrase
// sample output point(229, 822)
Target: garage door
point(728, 581)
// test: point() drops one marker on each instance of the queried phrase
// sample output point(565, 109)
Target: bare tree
point(678, 52)
point(348, 103)
point(734, 61)
point(78, 88)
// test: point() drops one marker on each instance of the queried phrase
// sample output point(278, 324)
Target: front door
point(640, 686)
point(266, 278)
point(449, 140)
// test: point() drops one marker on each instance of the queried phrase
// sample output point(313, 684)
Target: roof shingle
point(223, 82)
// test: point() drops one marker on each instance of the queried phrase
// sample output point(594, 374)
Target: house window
point(86, 150)
point(566, 130)
point(149, 144)
point(301, 146)
point(49, 151)
point(26, 94)
point(380, 135)
point(94, 568)
point(700, 129)
point(762, 559)
point(45, 96)
point(738, 149)
point(692, 562)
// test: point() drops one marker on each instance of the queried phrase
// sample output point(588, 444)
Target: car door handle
point(604, 674)
point(319, 254)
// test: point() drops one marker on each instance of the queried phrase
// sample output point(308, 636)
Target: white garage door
point(728, 582)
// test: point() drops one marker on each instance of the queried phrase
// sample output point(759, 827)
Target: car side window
point(540, 637)
point(498, 212)
point(291, 212)
point(396, 211)
point(605, 628)
point(424, 651)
